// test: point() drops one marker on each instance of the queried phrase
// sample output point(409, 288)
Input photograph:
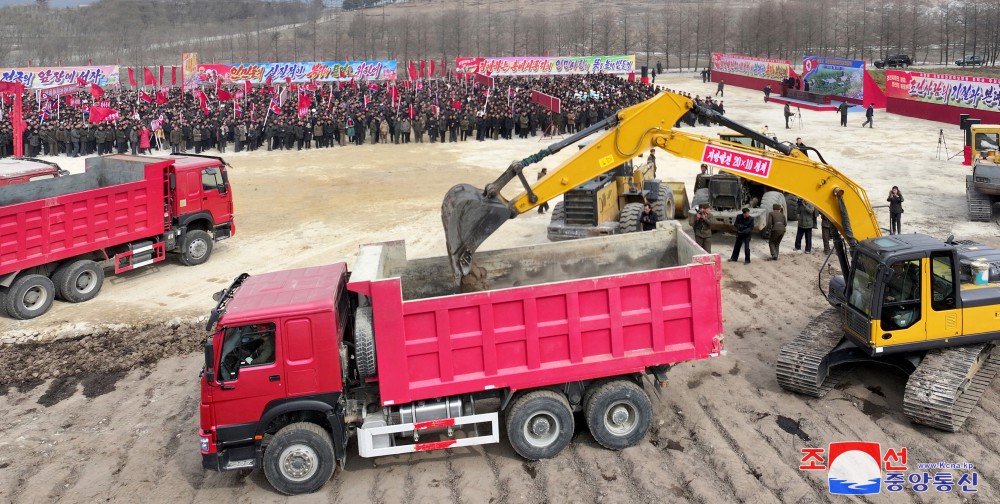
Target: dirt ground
point(99, 400)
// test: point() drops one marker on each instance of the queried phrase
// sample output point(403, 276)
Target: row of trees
point(677, 33)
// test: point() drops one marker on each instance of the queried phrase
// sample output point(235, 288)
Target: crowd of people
point(340, 114)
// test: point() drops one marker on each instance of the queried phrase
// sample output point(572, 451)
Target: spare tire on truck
point(364, 342)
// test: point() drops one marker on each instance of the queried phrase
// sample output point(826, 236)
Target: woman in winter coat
point(895, 200)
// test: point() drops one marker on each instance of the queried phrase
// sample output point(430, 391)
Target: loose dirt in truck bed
point(99, 401)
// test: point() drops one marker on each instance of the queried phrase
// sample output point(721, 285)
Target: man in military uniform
point(776, 223)
point(703, 227)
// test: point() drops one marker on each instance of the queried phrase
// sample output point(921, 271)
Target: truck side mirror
point(209, 357)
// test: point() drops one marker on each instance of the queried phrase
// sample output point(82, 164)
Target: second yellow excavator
point(926, 306)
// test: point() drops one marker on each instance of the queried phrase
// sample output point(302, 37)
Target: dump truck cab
point(273, 358)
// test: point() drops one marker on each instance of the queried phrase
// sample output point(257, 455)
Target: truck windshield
point(245, 346)
point(863, 283)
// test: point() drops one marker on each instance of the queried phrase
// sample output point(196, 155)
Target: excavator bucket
point(469, 218)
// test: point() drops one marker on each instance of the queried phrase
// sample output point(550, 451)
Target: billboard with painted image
point(749, 66)
point(834, 76)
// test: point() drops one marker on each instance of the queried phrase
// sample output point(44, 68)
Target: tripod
point(942, 144)
point(799, 115)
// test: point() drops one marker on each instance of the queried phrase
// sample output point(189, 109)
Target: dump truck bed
point(544, 314)
point(51, 220)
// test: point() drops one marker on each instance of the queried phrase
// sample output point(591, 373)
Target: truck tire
point(196, 247)
point(558, 213)
point(364, 342)
point(78, 281)
point(629, 219)
point(299, 459)
point(793, 207)
point(29, 296)
point(618, 414)
point(665, 204)
point(540, 424)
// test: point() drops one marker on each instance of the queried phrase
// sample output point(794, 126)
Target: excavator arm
point(471, 215)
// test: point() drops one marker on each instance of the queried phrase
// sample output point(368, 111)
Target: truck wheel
point(299, 459)
point(364, 342)
point(196, 248)
point(29, 296)
point(618, 414)
point(558, 213)
point(665, 204)
point(629, 219)
point(540, 424)
point(793, 207)
point(78, 281)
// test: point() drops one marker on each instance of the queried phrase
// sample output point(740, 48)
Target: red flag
point(412, 70)
point(102, 114)
point(267, 83)
point(237, 110)
point(224, 95)
point(292, 87)
point(457, 105)
point(394, 93)
point(353, 83)
point(145, 97)
point(423, 69)
point(412, 113)
point(160, 82)
point(173, 76)
point(305, 101)
point(247, 88)
point(161, 97)
point(432, 68)
point(218, 85)
point(631, 76)
point(373, 87)
point(73, 101)
point(443, 73)
point(96, 91)
point(202, 99)
point(288, 80)
point(275, 106)
point(131, 77)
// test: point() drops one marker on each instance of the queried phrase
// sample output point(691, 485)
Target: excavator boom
point(471, 215)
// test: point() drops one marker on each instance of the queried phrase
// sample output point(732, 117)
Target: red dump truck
point(298, 361)
point(57, 236)
point(18, 170)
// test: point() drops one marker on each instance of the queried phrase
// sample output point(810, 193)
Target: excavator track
point(980, 209)
point(802, 362)
point(948, 384)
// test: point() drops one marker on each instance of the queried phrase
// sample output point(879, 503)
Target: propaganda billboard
point(834, 76)
point(51, 77)
point(546, 65)
point(749, 66)
point(977, 93)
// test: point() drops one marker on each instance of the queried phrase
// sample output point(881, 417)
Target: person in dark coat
point(895, 200)
point(843, 113)
point(648, 218)
point(744, 227)
point(869, 116)
point(807, 221)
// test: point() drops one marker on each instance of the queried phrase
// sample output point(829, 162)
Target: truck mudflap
point(225, 231)
point(376, 440)
point(143, 254)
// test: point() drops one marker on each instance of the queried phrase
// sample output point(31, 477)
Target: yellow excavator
point(928, 307)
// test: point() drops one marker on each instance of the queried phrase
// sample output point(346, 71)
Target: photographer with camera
point(703, 228)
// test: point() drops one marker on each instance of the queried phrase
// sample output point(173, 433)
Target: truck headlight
point(204, 444)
